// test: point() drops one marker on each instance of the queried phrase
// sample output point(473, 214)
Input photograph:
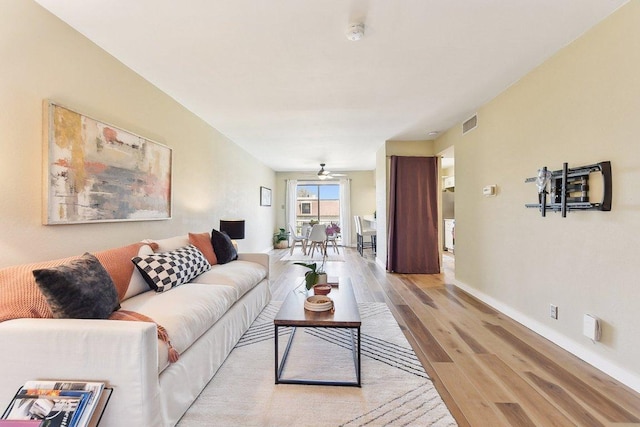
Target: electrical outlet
point(553, 311)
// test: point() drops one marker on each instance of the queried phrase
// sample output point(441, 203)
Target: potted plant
point(316, 275)
point(333, 229)
point(281, 239)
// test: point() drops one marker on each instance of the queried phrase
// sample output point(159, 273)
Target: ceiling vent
point(470, 124)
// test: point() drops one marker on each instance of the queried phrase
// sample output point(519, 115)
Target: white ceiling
point(280, 78)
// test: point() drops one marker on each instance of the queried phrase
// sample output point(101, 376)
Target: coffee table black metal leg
point(280, 364)
point(359, 359)
point(280, 368)
point(356, 354)
point(275, 339)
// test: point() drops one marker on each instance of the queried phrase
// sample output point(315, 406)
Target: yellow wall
point(582, 106)
point(43, 58)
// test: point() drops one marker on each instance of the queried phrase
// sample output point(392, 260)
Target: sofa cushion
point(80, 289)
point(170, 243)
point(166, 270)
point(242, 276)
point(137, 284)
point(202, 241)
point(223, 247)
point(186, 312)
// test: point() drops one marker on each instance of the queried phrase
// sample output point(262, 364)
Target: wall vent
point(470, 124)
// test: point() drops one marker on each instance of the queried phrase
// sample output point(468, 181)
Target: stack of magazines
point(55, 404)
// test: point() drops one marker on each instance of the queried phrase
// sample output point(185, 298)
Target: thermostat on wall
point(489, 190)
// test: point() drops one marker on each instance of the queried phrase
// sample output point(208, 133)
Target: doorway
point(447, 204)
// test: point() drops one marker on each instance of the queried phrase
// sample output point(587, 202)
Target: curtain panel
point(290, 210)
point(345, 211)
point(413, 216)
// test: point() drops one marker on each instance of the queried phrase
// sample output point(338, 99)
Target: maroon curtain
point(413, 216)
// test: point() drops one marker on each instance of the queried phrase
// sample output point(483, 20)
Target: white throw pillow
point(137, 285)
point(170, 243)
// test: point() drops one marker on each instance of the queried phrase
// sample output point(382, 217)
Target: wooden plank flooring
point(489, 369)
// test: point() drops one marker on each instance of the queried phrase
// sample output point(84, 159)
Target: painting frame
point(265, 196)
point(96, 172)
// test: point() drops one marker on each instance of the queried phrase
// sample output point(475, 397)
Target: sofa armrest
point(260, 258)
point(123, 354)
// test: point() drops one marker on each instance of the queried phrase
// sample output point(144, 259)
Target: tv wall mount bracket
point(569, 189)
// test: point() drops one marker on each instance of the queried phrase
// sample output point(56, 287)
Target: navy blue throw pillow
point(222, 246)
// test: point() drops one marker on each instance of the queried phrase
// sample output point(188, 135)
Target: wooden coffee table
point(346, 316)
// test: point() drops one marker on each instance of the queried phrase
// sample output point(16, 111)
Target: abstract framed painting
point(96, 172)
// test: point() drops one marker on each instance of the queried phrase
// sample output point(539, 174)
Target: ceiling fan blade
point(326, 174)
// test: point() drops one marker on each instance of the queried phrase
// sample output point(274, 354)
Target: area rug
point(298, 256)
point(395, 390)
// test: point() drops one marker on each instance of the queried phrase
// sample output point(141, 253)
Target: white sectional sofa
point(204, 319)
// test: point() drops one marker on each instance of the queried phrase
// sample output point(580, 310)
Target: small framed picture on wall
point(265, 196)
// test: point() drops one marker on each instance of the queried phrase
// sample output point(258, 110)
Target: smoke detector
point(355, 32)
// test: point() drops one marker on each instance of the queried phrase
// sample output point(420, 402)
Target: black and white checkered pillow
point(165, 270)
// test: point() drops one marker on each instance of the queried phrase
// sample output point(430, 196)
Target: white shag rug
point(395, 390)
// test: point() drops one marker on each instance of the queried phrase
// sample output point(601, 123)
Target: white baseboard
point(626, 377)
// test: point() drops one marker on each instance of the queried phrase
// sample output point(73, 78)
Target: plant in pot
point(281, 239)
point(315, 276)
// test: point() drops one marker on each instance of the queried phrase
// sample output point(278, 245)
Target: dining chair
point(361, 233)
point(318, 239)
point(306, 229)
point(332, 237)
point(297, 238)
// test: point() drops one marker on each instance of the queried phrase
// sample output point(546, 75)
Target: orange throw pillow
point(118, 264)
point(202, 241)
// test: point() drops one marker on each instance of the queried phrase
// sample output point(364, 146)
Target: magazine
point(20, 423)
point(52, 410)
point(56, 403)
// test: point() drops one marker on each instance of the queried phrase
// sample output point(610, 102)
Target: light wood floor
point(490, 370)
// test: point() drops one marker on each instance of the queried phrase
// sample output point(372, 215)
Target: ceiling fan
point(325, 174)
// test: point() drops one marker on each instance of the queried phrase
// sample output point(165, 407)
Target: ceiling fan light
point(324, 174)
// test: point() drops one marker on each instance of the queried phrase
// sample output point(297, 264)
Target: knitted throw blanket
point(20, 296)
point(162, 332)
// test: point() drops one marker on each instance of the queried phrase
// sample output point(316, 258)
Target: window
point(318, 197)
point(317, 202)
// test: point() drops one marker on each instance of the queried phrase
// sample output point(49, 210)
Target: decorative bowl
point(321, 289)
point(318, 303)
